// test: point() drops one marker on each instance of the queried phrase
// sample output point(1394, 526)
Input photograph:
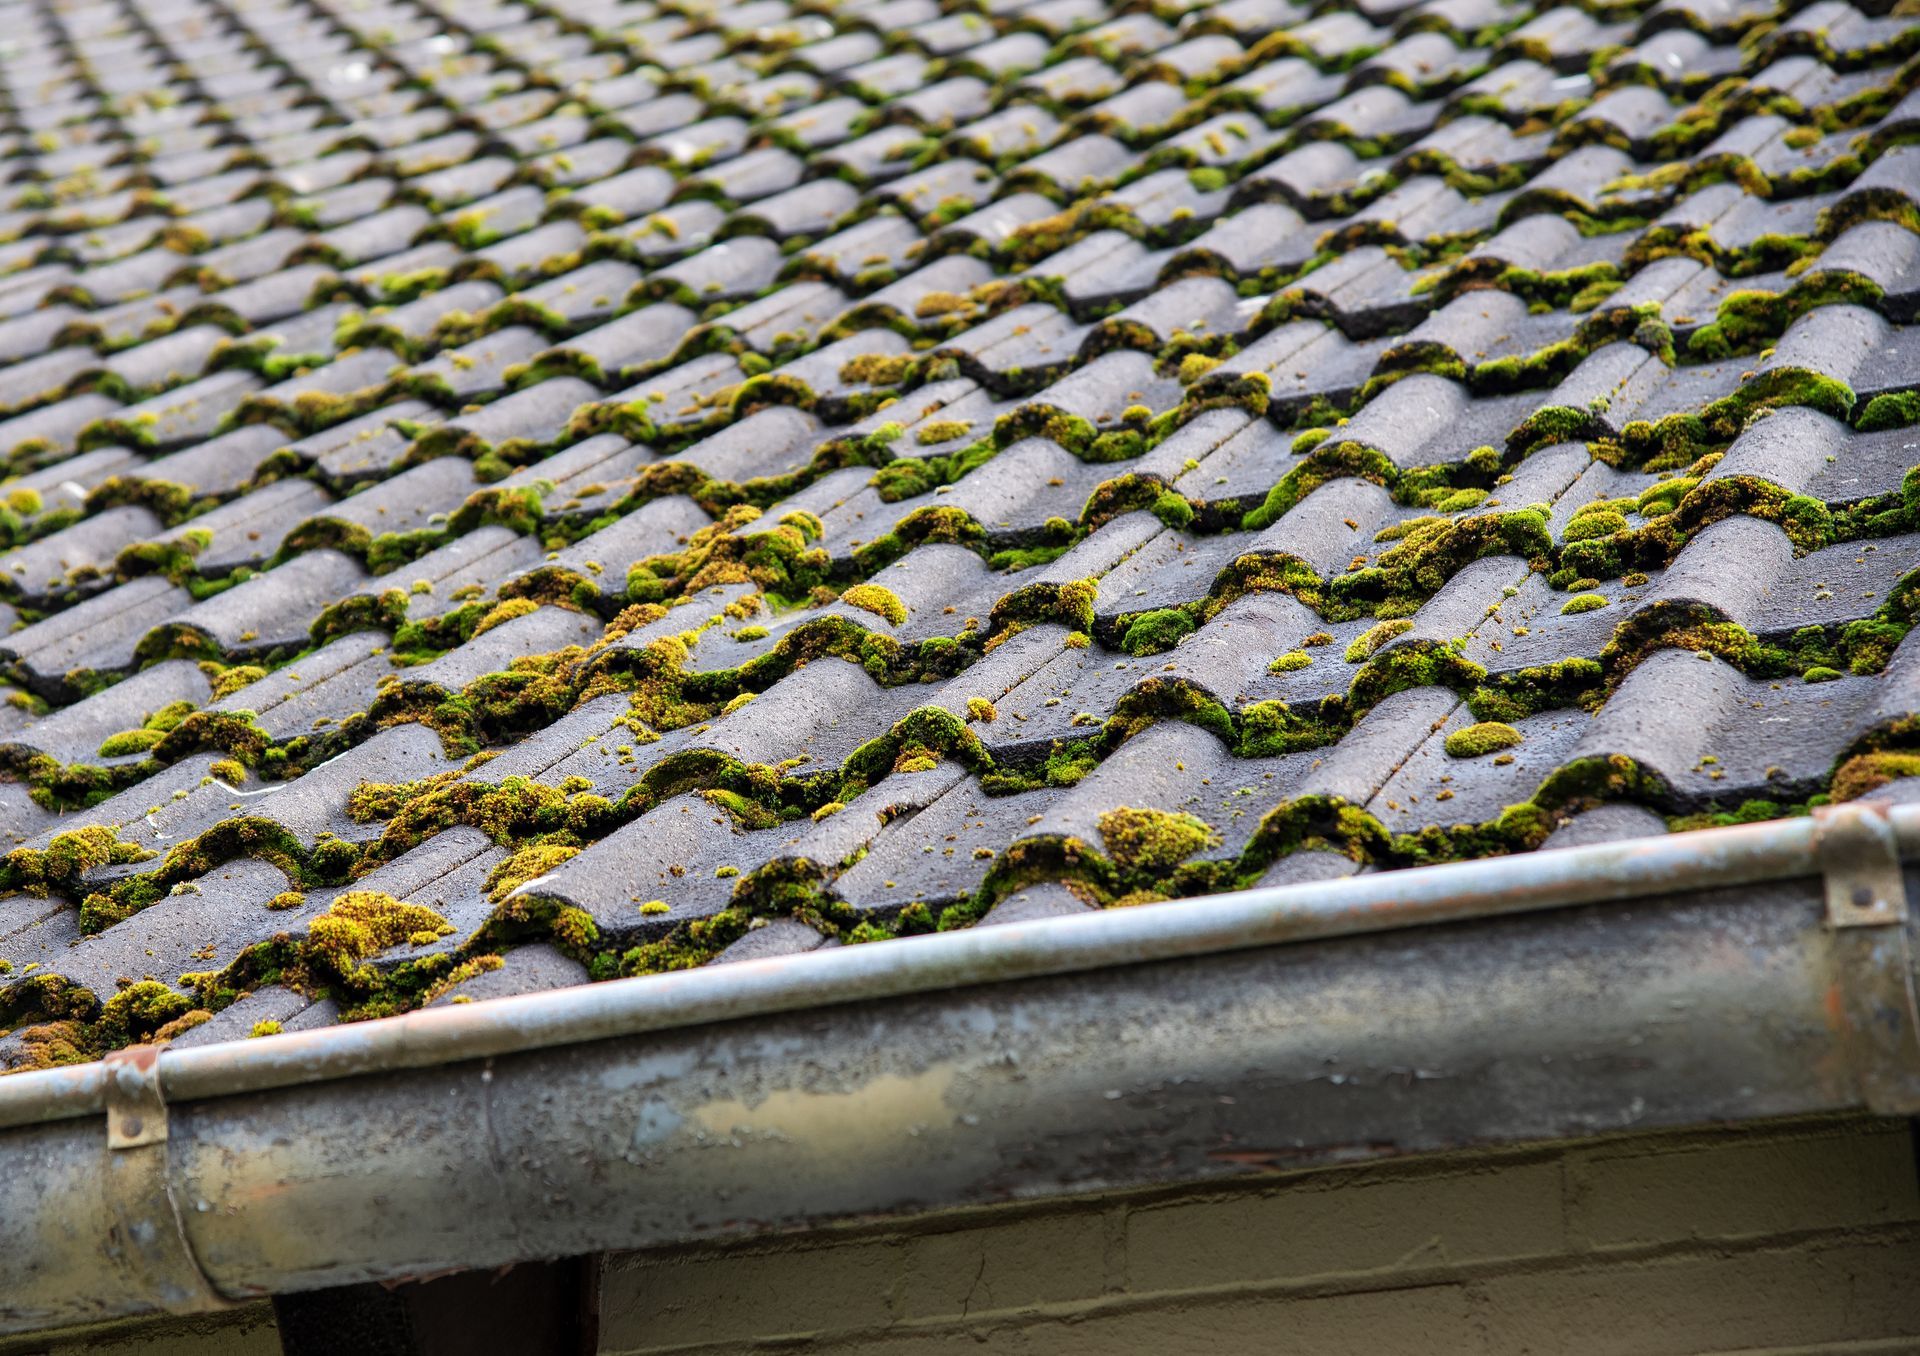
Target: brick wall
point(1792, 1238)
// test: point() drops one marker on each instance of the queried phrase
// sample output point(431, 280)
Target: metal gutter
point(1716, 976)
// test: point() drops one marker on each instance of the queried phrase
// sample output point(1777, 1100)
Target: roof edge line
point(1264, 916)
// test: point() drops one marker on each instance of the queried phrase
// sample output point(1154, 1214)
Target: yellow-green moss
point(235, 678)
point(1368, 643)
point(130, 741)
point(1587, 525)
point(363, 923)
point(1195, 366)
point(941, 431)
point(878, 599)
point(1152, 632)
point(1489, 736)
point(504, 612)
point(1153, 840)
point(877, 369)
point(526, 865)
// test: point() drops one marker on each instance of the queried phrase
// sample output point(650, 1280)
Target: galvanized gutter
point(1710, 977)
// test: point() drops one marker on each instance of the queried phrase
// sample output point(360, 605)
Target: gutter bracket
point(1873, 984)
point(1860, 859)
point(148, 1237)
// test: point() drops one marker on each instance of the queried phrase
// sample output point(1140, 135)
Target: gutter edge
point(1375, 902)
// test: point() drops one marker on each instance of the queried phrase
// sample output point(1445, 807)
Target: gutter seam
point(1872, 991)
point(151, 1238)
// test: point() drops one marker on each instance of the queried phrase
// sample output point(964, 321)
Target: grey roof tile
point(526, 969)
point(97, 636)
point(325, 687)
point(74, 734)
point(77, 560)
point(272, 611)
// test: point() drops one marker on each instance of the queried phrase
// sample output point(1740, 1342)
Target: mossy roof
point(510, 495)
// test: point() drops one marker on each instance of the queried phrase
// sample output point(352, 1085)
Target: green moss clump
point(937, 431)
point(1153, 840)
point(931, 523)
point(1173, 509)
point(528, 864)
point(1587, 525)
point(138, 1012)
point(1368, 643)
point(503, 612)
point(1820, 673)
point(1458, 501)
point(129, 742)
point(1582, 602)
point(66, 858)
point(1894, 410)
point(878, 369)
point(1326, 462)
point(1407, 527)
point(363, 923)
point(1593, 294)
point(1663, 497)
point(1290, 662)
point(1868, 772)
point(232, 680)
point(877, 599)
point(1195, 366)
point(518, 508)
point(1476, 741)
point(1152, 632)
